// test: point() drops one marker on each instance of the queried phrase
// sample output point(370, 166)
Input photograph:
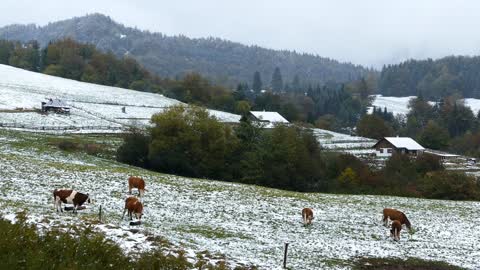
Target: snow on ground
point(93, 105)
point(399, 105)
point(474, 104)
point(339, 142)
point(395, 105)
point(247, 224)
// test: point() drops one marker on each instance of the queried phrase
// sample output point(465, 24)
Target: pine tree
point(296, 83)
point(257, 82)
point(277, 81)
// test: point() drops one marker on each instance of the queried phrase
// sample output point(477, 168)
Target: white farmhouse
point(385, 147)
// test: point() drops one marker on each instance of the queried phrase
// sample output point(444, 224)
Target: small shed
point(267, 117)
point(386, 146)
point(443, 156)
point(56, 105)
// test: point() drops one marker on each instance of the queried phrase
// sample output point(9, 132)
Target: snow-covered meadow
point(94, 107)
point(338, 142)
point(399, 105)
point(248, 224)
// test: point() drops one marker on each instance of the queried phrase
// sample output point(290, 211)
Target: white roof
point(404, 142)
point(272, 117)
point(441, 154)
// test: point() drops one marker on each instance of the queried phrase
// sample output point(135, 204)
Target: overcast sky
point(368, 32)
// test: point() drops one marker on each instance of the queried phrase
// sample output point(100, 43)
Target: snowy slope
point(248, 224)
point(92, 105)
point(338, 142)
point(399, 105)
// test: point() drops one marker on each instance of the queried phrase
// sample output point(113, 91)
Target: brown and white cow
point(394, 214)
point(136, 182)
point(69, 196)
point(307, 216)
point(395, 231)
point(133, 205)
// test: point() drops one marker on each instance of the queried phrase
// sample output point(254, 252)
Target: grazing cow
point(395, 231)
point(394, 214)
point(69, 196)
point(133, 205)
point(307, 216)
point(136, 182)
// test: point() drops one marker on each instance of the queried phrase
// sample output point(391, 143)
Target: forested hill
point(433, 79)
point(223, 61)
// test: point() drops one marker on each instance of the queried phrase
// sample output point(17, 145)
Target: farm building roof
point(404, 142)
point(272, 117)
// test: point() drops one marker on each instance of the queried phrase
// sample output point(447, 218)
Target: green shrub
point(450, 186)
point(22, 247)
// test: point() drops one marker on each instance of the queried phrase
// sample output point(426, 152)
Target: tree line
point(433, 79)
point(188, 141)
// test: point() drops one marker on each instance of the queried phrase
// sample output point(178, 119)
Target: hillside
point(434, 79)
point(247, 224)
point(95, 108)
point(223, 61)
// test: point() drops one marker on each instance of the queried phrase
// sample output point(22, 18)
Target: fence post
point(285, 256)
point(100, 214)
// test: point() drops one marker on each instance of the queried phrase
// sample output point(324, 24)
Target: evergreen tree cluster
point(433, 79)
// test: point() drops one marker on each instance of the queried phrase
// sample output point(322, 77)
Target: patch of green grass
point(209, 232)
point(400, 264)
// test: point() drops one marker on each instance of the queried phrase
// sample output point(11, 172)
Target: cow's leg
point(60, 205)
point(124, 210)
point(385, 220)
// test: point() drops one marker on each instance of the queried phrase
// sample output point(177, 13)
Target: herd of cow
point(134, 206)
point(398, 219)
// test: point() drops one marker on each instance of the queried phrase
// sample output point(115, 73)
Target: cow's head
point(139, 210)
point(88, 198)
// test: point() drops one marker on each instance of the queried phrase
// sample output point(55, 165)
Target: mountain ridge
point(223, 61)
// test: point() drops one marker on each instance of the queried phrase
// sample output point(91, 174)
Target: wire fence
point(35, 127)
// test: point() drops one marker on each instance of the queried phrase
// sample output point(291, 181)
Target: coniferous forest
point(433, 79)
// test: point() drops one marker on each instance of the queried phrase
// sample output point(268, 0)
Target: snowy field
point(399, 105)
point(92, 105)
point(338, 142)
point(248, 224)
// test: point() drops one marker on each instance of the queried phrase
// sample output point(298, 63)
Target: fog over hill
point(223, 61)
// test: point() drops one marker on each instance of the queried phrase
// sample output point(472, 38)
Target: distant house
point(56, 105)
point(385, 147)
point(269, 118)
